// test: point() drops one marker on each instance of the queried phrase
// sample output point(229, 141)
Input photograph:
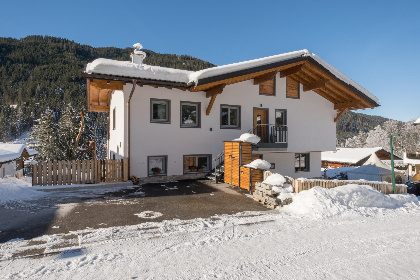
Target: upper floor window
point(190, 114)
point(160, 110)
point(301, 162)
point(292, 88)
point(230, 116)
point(268, 87)
point(114, 124)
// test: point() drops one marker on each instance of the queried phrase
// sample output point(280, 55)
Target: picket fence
point(383, 187)
point(50, 173)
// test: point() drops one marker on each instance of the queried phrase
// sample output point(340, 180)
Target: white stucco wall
point(310, 121)
point(117, 142)
point(285, 164)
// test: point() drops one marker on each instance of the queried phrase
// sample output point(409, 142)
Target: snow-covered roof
point(10, 152)
point(348, 155)
point(133, 70)
point(129, 69)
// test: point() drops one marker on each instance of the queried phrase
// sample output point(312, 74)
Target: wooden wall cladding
point(292, 88)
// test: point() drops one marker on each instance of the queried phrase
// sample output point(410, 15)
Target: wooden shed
point(238, 154)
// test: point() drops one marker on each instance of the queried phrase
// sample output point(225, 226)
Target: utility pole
point(392, 162)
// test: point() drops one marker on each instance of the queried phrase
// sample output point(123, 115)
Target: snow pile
point(361, 200)
point(259, 164)
point(12, 189)
point(249, 138)
point(275, 179)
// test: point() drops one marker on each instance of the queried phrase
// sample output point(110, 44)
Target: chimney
point(138, 55)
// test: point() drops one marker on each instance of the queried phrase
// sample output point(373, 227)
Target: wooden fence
point(383, 187)
point(79, 172)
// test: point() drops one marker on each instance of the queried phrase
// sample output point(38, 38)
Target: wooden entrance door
point(261, 124)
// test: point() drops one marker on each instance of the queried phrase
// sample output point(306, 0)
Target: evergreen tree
point(45, 133)
point(68, 130)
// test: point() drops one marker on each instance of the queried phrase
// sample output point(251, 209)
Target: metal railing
point(270, 133)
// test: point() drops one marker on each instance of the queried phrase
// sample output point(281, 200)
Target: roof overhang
point(311, 73)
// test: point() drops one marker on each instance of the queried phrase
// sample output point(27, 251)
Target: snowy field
point(350, 232)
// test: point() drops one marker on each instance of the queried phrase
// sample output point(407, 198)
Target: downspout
point(128, 124)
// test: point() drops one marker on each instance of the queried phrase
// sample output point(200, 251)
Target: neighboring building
point(344, 157)
point(173, 122)
point(12, 158)
point(413, 159)
point(373, 169)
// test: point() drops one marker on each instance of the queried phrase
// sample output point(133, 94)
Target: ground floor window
point(157, 165)
point(196, 163)
point(301, 162)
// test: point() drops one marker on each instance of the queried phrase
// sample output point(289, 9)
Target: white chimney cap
point(137, 46)
point(138, 55)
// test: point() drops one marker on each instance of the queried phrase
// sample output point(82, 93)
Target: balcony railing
point(272, 136)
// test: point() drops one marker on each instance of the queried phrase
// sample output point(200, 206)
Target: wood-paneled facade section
point(238, 154)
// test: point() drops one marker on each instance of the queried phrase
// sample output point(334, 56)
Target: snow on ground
point(13, 189)
point(350, 232)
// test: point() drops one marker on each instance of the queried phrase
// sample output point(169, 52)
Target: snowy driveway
point(62, 211)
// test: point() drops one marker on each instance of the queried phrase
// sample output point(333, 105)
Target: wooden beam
point(341, 106)
point(99, 108)
point(339, 115)
point(215, 90)
point(315, 85)
point(265, 77)
point(104, 84)
point(213, 98)
point(291, 71)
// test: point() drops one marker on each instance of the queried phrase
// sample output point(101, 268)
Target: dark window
point(190, 114)
point(160, 110)
point(197, 163)
point(301, 162)
point(114, 124)
point(157, 165)
point(292, 88)
point(281, 117)
point(230, 116)
point(268, 87)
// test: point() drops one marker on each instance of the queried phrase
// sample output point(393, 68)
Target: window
point(292, 88)
point(281, 117)
point(301, 162)
point(114, 125)
point(196, 163)
point(230, 116)
point(160, 110)
point(157, 165)
point(268, 87)
point(190, 114)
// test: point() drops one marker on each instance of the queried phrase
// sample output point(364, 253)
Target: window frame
point(307, 162)
point(165, 162)
point(238, 126)
point(168, 109)
point(274, 87)
point(209, 162)
point(198, 117)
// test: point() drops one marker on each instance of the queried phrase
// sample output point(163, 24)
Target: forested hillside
point(351, 123)
point(40, 72)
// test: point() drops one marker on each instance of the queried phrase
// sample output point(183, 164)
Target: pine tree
point(45, 133)
point(68, 130)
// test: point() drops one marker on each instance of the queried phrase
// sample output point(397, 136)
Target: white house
point(177, 120)
point(12, 158)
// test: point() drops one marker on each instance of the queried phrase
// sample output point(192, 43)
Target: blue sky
point(375, 43)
